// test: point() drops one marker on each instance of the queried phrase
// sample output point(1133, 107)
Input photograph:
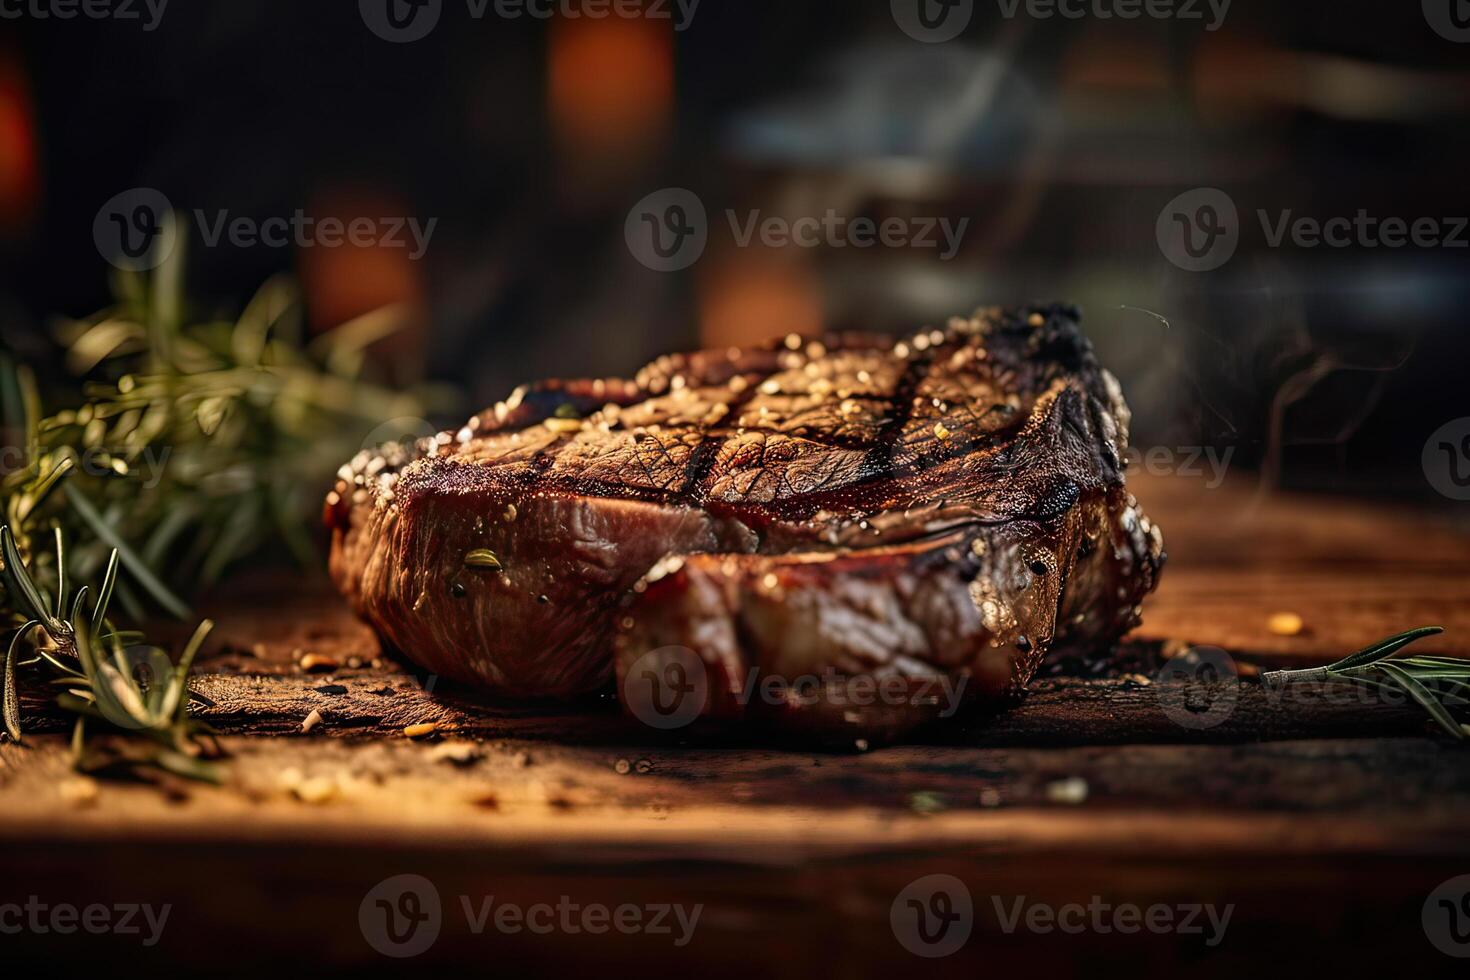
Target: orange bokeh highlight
point(350, 280)
point(749, 296)
point(610, 91)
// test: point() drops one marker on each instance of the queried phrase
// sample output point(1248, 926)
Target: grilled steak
point(851, 535)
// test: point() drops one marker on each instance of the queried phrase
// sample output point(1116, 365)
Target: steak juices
point(919, 516)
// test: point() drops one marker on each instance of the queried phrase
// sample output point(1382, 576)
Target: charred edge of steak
point(935, 475)
point(1029, 352)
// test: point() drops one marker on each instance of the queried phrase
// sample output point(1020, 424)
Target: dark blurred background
point(1060, 139)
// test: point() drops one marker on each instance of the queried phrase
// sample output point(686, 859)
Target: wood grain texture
point(1313, 814)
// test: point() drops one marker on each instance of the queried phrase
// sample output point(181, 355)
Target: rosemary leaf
point(60, 575)
point(104, 597)
point(65, 670)
point(183, 764)
point(176, 703)
point(116, 701)
point(79, 605)
point(135, 565)
point(11, 698)
point(18, 580)
point(12, 406)
point(1383, 648)
point(38, 494)
point(1426, 699)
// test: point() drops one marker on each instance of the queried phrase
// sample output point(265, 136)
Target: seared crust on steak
point(947, 506)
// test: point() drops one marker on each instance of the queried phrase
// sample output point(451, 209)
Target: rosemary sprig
point(136, 690)
point(1418, 677)
point(191, 443)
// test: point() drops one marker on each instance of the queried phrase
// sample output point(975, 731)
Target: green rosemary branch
point(191, 445)
point(1421, 678)
point(104, 681)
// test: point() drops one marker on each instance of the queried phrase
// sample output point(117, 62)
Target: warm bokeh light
point(19, 170)
point(747, 296)
point(348, 281)
point(610, 92)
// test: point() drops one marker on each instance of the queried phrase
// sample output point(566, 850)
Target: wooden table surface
point(1324, 823)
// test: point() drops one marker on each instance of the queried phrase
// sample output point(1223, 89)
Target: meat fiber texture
point(846, 537)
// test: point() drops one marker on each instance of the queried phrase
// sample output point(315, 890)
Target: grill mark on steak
point(758, 506)
point(901, 410)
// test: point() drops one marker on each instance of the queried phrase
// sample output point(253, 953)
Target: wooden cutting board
point(1325, 825)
